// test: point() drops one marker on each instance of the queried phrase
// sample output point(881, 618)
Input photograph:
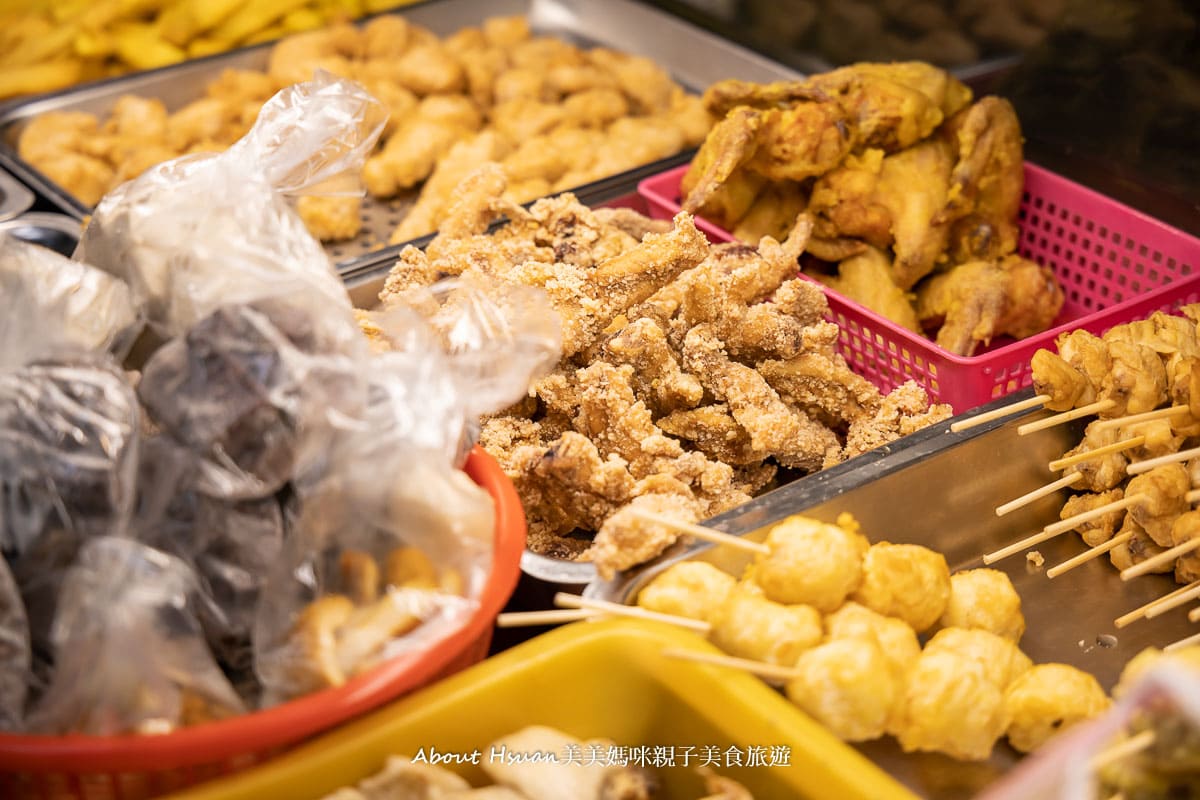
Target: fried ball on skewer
point(811, 562)
point(895, 637)
point(906, 581)
point(753, 627)
point(692, 589)
point(1047, 699)
point(1000, 658)
point(951, 706)
point(848, 686)
point(984, 599)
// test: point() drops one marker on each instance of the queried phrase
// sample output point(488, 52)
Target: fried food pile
point(913, 189)
point(846, 615)
point(534, 763)
point(680, 389)
point(1134, 368)
point(555, 115)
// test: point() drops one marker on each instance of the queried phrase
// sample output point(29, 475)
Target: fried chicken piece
point(1139, 547)
point(1162, 493)
point(657, 376)
point(792, 437)
point(575, 234)
point(631, 222)
point(1097, 531)
point(625, 540)
point(610, 414)
point(569, 485)
point(331, 218)
point(867, 279)
point(980, 300)
point(713, 430)
point(904, 410)
point(504, 436)
point(822, 385)
point(987, 183)
point(1074, 376)
point(773, 212)
point(1136, 380)
point(412, 152)
point(1100, 473)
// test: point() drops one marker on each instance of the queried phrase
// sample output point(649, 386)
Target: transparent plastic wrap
point(15, 657)
point(199, 232)
point(53, 304)
point(130, 655)
point(390, 547)
point(1145, 747)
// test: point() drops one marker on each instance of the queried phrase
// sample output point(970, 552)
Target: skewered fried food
point(895, 637)
point(757, 628)
point(848, 686)
point(984, 599)
point(688, 589)
point(1099, 530)
point(811, 562)
point(951, 706)
point(680, 389)
point(1000, 658)
point(906, 581)
point(1048, 699)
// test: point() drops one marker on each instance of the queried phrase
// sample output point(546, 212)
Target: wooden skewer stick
point(553, 616)
point(568, 600)
point(1050, 531)
point(1194, 614)
point(1138, 467)
point(1154, 562)
point(1164, 605)
point(1087, 455)
point(1182, 643)
point(997, 413)
point(1066, 416)
point(1037, 494)
point(699, 531)
point(1145, 416)
point(1134, 744)
point(1139, 612)
point(760, 668)
point(1088, 555)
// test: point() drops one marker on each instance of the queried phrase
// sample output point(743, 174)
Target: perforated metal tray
point(694, 57)
point(940, 489)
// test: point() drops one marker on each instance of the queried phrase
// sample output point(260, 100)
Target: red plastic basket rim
point(653, 186)
point(291, 722)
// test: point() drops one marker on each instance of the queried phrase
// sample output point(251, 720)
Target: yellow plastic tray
point(589, 679)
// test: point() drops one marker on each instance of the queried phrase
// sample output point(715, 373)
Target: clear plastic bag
point(203, 231)
point(53, 305)
point(130, 655)
point(15, 657)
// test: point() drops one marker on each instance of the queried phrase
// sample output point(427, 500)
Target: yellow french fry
point(95, 44)
point(205, 46)
point(303, 19)
point(265, 35)
point(253, 17)
point(37, 78)
point(140, 46)
point(208, 14)
point(349, 9)
point(66, 10)
point(57, 42)
point(375, 6)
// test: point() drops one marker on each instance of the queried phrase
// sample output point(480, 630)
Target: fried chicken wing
point(867, 279)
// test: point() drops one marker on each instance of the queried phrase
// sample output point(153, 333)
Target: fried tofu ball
point(688, 589)
point(951, 706)
point(1002, 661)
point(985, 599)
point(756, 628)
point(895, 637)
point(846, 685)
point(1047, 699)
point(906, 581)
point(810, 562)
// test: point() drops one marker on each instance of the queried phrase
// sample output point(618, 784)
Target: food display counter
point(645, 400)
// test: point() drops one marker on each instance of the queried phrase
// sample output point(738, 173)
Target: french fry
point(95, 44)
point(140, 46)
point(375, 6)
point(205, 46)
point(208, 14)
point(267, 34)
point(253, 17)
point(44, 77)
point(303, 19)
point(57, 42)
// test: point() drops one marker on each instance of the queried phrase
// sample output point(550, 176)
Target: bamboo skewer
point(1134, 744)
point(988, 416)
point(1145, 416)
point(700, 532)
point(1138, 613)
point(1194, 615)
point(565, 599)
point(1088, 555)
point(1165, 557)
point(760, 668)
point(1050, 531)
point(1087, 455)
point(1164, 605)
point(1016, 547)
point(1138, 467)
point(1182, 643)
point(1066, 416)
point(552, 616)
point(1037, 494)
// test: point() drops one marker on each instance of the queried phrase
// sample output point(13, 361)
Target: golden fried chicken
point(904, 410)
point(867, 279)
point(823, 385)
point(980, 300)
point(713, 430)
point(657, 375)
point(1097, 531)
point(625, 540)
point(411, 153)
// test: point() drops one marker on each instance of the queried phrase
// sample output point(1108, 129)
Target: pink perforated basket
point(1115, 264)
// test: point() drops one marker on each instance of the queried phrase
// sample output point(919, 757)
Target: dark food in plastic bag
point(14, 652)
point(130, 655)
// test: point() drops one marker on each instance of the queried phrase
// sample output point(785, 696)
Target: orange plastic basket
point(134, 767)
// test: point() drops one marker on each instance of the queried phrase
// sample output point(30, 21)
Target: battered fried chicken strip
point(905, 409)
point(822, 384)
point(625, 540)
point(713, 430)
point(657, 374)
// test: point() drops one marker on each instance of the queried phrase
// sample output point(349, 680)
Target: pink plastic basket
point(1115, 264)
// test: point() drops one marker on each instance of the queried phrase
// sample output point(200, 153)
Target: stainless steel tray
point(694, 57)
point(58, 232)
point(940, 489)
point(14, 198)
